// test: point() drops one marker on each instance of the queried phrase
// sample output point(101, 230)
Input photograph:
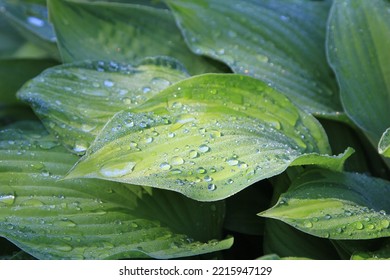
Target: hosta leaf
point(384, 144)
point(15, 72)
point(286, 241)
point(278, 42)
point(336, 205)
point(51, 218)
point(9, 38)
point(381, 254)
point(75, 100)
point(31, 21)
point(119, 31)
point(358, 44)
point(207, 137)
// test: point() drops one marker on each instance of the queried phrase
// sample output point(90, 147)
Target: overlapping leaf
point(75, 100)
point(119, 31)
point(31, 21)
point(336, 205)
point(52, 218)
point(358, 49)
point(207, 137)
point(278, 42)
point(384, 143)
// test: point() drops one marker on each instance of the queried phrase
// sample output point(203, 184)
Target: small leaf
point(381, 254)
point(75, 100)
point(207, 137)
point(32, 23)
point(278, 42)
point(51, 218)
point(120, 31)
point(384, 144)
point(357, 45)
point(336, 205)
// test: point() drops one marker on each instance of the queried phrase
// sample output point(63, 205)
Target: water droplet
point(359, 225)
point(63, 247)
point(35, 21)
point(118, 169)
point(232, 161)
point(230, 181)
point(65, 223)
point(177, 161)
point(108, 83)
point(171, 134)
point(163, 83)
point(201, 170)
point(146, 89)
point(47, 145)
point(33, 202)
point(165, 166)
point(207, 178)
point(149, 140)
point(126, 101)
point(204, 148)
point(328, 217)
point(385, 224)
point(308, 224)
point(80, 147)
point(348, 213)
point(7, 198)
point(371, 226)
point(211, 187)
point(37, 165)
point(193, 154)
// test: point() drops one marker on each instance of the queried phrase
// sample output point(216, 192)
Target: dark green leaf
point(121, 32)
point(32, 23)
point(358, 49)
point(76, 100)
point(207, 137)
point(278, 42)
point(51, 218)
point(336, 205)
point(15, 72)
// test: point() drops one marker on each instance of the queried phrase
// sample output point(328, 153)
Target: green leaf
point(384, 144)
point(336, 205)
point(381, 254)
point(207, 137)
point(75, 100)
point(32, 23)
point(15, 72)
point(121, 32)
point(51, 218)
point(278, 42)
point(9, 38)
point(357, 44)
point(286, 241)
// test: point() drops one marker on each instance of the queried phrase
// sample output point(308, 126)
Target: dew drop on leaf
point(117, 169)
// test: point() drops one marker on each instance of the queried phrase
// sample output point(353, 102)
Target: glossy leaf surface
point(278, 42)
point(51, 218)
point(336, 205)
point(76, 100)
point(207, 137)
point(121, 32)
point(358, 50)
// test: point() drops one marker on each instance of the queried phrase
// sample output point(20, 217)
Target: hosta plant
point(203, 129)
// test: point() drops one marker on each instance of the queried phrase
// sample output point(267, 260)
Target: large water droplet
point(308, 224)
point(385, 224)
point(165, 166)
point(359, 225)
point(177, 161)
point(35, 21)
point(80, 146)
point(211, 187)
point(118, 169)
point(232, 161)
point(193, 154)
point(7, 198)
point(204, 148)
point(201, 170)
point(108, 83)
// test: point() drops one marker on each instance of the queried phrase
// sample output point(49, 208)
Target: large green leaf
point(32, 23)
point(336, 205)
point(15, 72)
point(384, 143)
point(207, 137)
point(119, 31)
point(51, 218)
point(358, 50)
point(75, 100)
point(279, 42)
